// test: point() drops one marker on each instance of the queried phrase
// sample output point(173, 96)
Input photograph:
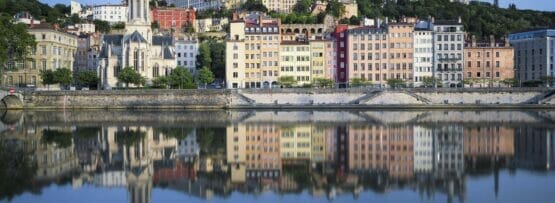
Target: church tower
point(138, 18)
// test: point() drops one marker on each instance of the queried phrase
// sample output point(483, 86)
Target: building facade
point(174, 18)
point(423, 52)
point(211, 24)
point(252, 53)
point(199, 5)
point(110, 13)
point(534, 52)
point(55, 49)
point(186, 48)
point(295, 61)
point(448, 50)
point(488, 63)
point(151, 56)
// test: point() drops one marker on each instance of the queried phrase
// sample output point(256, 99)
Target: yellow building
point(55, 49)
point(296, 142)
point(295, 61)
point(318, 62)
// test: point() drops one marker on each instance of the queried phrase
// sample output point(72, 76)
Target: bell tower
point(139, 11)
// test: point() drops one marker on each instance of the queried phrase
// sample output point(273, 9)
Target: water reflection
point(325, 153)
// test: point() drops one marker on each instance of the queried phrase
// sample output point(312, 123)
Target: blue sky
point(546, 5)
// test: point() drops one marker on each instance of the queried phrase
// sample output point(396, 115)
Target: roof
point(447, 22)
point(168, 53)
point(136, 37)
point(112, 39)
point(162, 40)
point(294, 42)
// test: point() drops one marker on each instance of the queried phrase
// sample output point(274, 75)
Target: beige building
point(282, 6)
point(55, 49)
point(488, 63)
point(295, 61)
point(318, 59)
point(252, 53)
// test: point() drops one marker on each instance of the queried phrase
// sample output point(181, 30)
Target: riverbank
point(537, 98)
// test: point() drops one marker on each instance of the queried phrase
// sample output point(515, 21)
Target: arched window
point(156, 70)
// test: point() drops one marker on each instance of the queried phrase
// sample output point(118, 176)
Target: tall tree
point(217, 53)
point(205, 76)
point(204, 57)
point(47, 77)
point(181, 78)
point(254, 5)
point(335, 8)
point(88, 78)
point(63, 77)
point(15, 42)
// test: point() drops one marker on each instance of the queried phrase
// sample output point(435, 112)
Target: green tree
point(254, 5)
point(129, 137)
point(88, 78)
point(47, 77)
point(358, 82)
point(287, 81)
point(102, 26)
point(15, 42)
point(62, 139)
point(181, 78)
point(188, 28)
point(155, 25)
point(335, 8)
point(204, 57)
point(205, 76)
point(302, 6)
point(17, 169)
point(323, 82)
point(396, 83)
point(161, 82)
point(510, 82)
point(217, 53)
point(118, 26)
point(429, 81)
point(129, 75)
point(63, 77)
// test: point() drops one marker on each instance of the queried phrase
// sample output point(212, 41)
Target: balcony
point(449, 59)
point(449, 70)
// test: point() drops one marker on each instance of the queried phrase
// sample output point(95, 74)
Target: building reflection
point(325, 159)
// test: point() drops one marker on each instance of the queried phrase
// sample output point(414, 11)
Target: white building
point(25, 18)
point(188, 148)
point(111, 13)
point(423, 52)
point(448, 50)
point(151, 56)
point(75, 7)
point(423, 150)
point(186, 48)
point(82, 28)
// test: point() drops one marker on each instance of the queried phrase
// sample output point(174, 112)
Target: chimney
point(433, 19)
point(460, 20)
point(473, 40)
point(506, 41)
point(235, 16)
point(56, 26)
point(492, 41)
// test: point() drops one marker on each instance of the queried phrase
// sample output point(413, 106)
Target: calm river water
point(277, 156)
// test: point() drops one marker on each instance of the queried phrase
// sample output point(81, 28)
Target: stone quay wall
point(287, 98)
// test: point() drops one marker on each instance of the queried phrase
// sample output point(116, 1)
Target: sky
point(544, 5)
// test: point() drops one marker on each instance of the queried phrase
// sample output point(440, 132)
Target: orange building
point(382, 149)
point(488, 63)
point(488, 142)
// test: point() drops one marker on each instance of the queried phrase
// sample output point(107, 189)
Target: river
point(277, 156)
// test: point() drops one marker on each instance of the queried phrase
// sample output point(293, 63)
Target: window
point(235, 75)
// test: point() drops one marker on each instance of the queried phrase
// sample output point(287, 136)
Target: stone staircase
point(418, 97)
point(367, 97)
point(239, 99)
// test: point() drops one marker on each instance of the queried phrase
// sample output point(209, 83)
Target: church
point(138, 47)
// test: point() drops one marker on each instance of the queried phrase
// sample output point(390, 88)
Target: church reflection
point(327, 159)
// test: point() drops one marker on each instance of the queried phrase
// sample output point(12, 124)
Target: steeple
point(139, 11)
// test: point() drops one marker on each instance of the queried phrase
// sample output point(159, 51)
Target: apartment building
point(487, 63)
point(448, 50)
point(186, 48)
point(423, 52)
point(86, 55)
point(281, 6)
point(55, 49)
point(295, 61)
point(112, 13)
point(533, 54)
point(252, 53)
point(340, 35)
point(199, 5)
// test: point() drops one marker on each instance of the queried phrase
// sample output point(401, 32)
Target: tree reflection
point(129, 137)
point(177, 133)
point(62, 139)
point(17, 170)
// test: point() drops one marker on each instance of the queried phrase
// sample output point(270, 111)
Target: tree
point(429, 81)
point(357, 82)
point(217, 53)
point(302, 6)
point(161, 82)
point(323, 82)
point(15, 42)
point(188, 28)
point(118, 26)
point(395, 83)
point(129, 75)
point(62, 139)
point(204, 57)
point(47, 77)
point(180, 78)
point(63, 77)
point(255, 5)
point(88, 78)
point(335, 8)
point(102, 26)
point(354, 20)
point(205, 76)
point(287, 81)
point(510, 82)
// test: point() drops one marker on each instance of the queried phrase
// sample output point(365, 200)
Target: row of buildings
point(411, 50)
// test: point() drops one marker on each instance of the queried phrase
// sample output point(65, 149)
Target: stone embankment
point(285, 98)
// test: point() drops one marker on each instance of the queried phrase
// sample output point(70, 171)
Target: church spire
point(139, 11)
